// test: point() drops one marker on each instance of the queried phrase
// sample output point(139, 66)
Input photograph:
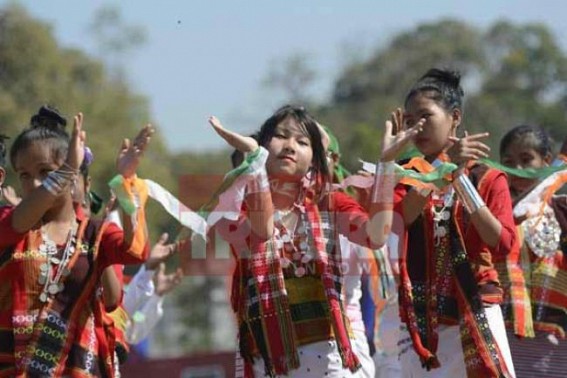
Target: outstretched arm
point(258, 197)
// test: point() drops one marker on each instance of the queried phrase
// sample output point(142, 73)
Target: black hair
point(442, 86)
point(47, 126)
point(308, 125)
point(3, 150)
point(532, 136)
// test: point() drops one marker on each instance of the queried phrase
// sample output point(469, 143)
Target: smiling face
point(439, 125)
point(33, 163)
point(291, 154)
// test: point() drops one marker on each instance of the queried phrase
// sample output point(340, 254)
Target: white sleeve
point(144, 320)
point(139, 291)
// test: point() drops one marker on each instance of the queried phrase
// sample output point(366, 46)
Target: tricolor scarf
point(447, 270)
point(264, 306)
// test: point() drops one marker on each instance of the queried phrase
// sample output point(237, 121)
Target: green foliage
point(35, 69)
point(512, 74)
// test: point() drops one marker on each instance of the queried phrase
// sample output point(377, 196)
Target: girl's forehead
point(34, 154)
point(419, 101)
point(527, 143)
point(290, 125)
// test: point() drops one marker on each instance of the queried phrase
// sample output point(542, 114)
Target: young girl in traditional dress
point(52, 255)
point(449, 292)
point(542, 227)
point(287, 283)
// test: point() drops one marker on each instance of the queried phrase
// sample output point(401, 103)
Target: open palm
point(131, 153)
point(396, 137)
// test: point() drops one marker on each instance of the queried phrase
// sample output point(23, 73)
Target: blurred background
point(174, 63)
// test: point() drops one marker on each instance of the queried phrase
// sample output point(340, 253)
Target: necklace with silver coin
point(54, 268)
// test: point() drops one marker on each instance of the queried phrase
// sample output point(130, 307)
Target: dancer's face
point(519, 155)
point(32, 165)
point(290, 151)
point(439, 125)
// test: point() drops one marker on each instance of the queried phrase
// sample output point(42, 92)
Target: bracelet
point(259, 182)
point(57, 181)
point(422, 192)
point(384, 183)
point(472, 201)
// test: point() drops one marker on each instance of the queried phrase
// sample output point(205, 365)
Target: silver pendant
point(43, 297)
point(286, 238)
point(53, 289)
point(55, 260)
point(445, 215)
point(44, 267)
point(440, 231)
point(305, 259)
point(42, 279)
point(300, 272)
point(285, 262)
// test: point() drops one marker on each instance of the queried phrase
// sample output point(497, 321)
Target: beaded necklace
point(55, 268)
point(299, 234)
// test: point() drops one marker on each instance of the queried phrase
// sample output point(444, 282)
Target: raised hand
point(76, 152)
point(468, 148)
point(396, 136)
point(242, 143)
point(164, 283)
point(160, 252)
point(131, 152)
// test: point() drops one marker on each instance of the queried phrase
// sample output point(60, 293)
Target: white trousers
point(450, 351)
point(317, 360)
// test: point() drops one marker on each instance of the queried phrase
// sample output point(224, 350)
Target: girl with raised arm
point(52, 255)
point(288, 282)
point(450, 292)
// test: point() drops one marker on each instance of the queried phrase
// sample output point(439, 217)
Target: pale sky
point(207, 57)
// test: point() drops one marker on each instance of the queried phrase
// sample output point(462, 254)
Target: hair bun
point(451, 78)
point(48, 117)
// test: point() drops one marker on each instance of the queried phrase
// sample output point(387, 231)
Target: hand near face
point(76, 152)
point(131, 153)
point(241, 143)
point(396, 137)
point(468, 148)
